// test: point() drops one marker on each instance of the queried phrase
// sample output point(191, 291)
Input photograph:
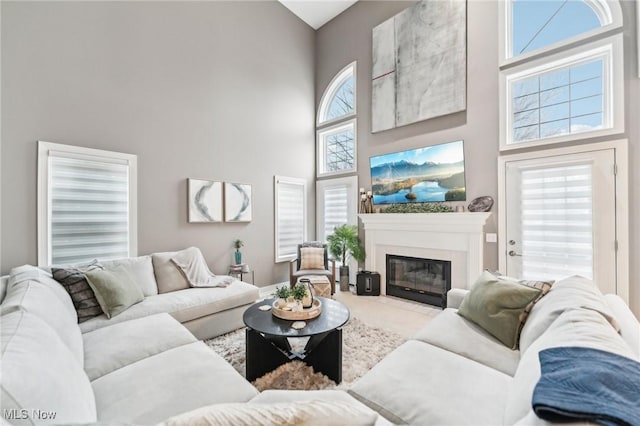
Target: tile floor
point(404, 317)
point(401, 316)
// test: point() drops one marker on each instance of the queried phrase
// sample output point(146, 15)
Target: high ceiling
point(316, 13)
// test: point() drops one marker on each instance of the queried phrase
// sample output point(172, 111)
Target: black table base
point(265, 353)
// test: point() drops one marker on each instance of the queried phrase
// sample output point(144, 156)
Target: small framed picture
point(237, 202)
point(205, 201)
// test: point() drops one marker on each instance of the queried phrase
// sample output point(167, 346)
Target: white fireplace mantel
point(456, 237)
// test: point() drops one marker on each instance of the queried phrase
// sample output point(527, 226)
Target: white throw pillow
point(168, 275)
point(311, 258)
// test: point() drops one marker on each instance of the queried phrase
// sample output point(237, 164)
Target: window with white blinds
point(86, 204)
point(557, 222)
point(335, 209)
point(290, 217)
point(336, 204)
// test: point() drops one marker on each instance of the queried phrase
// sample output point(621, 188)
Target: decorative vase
point(238, 256)
point(307, 300)
point(344, 278)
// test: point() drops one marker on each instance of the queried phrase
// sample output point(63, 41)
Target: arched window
point(336, 134)
point(533, 26)
point(339, 100)
point(559, 81)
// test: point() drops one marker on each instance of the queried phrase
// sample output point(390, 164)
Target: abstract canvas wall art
point(419, 65)
point(205, 201)
point(237, 202)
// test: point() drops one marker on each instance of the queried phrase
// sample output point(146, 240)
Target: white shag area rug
point(363, 347)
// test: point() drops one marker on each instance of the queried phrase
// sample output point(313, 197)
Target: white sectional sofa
point(454, 373)
point(143, 366)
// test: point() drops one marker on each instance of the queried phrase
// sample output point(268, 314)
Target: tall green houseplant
point(343, 244)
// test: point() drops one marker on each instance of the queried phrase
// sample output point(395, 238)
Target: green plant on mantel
point(418, 208)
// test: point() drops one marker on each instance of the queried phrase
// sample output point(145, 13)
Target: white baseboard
point(269, 290)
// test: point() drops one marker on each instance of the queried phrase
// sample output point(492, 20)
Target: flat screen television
point(430, 174)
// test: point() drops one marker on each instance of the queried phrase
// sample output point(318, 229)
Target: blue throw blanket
point(585, 384)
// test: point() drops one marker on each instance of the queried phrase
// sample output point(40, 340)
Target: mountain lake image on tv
point(429, 174)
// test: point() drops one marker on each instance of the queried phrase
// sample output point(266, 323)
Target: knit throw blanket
point(585, 384)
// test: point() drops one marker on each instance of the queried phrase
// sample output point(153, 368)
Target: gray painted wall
point(209, 90)
point(348, 38)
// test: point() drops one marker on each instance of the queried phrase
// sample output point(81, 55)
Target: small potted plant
point(298, 292)
point(343, 244)
point(237, 244)
point(282, 293)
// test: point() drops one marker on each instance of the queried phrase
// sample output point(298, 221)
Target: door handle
point(513, 253)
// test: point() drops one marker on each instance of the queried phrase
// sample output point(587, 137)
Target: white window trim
point(351, 182)
point(43, 190)
point(609, 13)
point(610, 50)
point(330, 92)
point(291, 181)
point(320, 147)
point(622, 202)
point(638, 35)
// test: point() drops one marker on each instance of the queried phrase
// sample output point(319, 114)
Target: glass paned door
point(561, 218)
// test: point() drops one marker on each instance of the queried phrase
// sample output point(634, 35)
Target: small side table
point(240, 275)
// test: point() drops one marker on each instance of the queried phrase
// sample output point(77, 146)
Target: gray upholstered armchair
point(313, 259)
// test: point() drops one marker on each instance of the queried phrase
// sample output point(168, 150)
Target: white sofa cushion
point(141, 270)
point(28, 272)
point(3, 286)
point(167, 384)
point(183, 305)
point(43, 297)
point(318, 412)
point(332, 396)
point(168, 275)
point(574, 327)
point(572, 292)
point(452, 332)
point(110, 348)
point(629, 325)
point(421, 384)
point(39, 372)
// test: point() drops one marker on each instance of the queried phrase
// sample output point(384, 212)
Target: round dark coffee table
point(267, 346)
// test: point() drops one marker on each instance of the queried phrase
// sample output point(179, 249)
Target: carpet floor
point(363, 347)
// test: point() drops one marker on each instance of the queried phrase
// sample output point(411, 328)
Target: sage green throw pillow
point(499, 305)
point(115, 290)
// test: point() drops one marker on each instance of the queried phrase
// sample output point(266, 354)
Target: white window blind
point(290, 217)
point(336, 209)
point(557, 222)
point(336, 204)
point(86, 208)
